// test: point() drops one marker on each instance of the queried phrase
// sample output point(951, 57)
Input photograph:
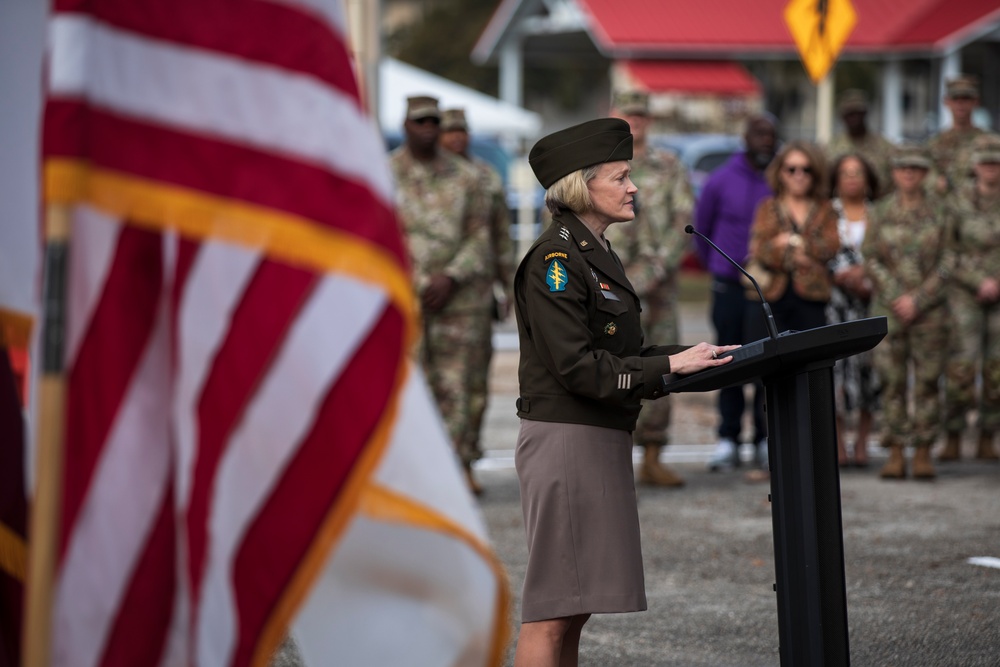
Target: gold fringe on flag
point(13, 553)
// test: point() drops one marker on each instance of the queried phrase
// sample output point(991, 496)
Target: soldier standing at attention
point(952, 149)
point(651, 247)
point(973, 295)
point(909, 258)
point(440, 205)
point(858, 139)
point(455, 139)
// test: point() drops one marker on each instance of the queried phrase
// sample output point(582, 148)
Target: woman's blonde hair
point(571, 191)
point(817, 190)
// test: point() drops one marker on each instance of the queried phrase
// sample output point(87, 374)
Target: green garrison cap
point(911, 155)
point(453, 119)
point(580, 146)
point(986, 148)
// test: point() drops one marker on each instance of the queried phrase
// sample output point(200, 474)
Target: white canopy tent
point(486, 115)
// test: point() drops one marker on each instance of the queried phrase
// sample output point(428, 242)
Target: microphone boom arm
point(772, 329)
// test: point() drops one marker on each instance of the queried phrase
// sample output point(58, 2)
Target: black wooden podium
point(797, 371)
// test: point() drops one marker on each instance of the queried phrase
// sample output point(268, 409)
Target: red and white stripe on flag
point(245, 435)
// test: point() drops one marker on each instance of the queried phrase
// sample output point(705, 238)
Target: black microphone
point(768, 317)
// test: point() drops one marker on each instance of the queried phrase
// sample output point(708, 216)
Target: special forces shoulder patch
point(556, 277)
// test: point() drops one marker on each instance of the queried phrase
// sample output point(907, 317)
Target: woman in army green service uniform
point(583, 372)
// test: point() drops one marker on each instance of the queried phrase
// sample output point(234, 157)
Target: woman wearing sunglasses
point(794, 235)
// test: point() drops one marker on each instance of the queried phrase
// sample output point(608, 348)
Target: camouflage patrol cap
point(453, 119)
point(422, 106)
point(631, 102)
point(593, 142)
point(986, 148)
point(963, 85)
point(911, 155)
point(852, 100)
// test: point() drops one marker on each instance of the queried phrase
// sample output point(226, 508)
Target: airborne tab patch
point(553, 255)
point(555, 277)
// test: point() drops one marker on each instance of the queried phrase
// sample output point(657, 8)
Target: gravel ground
point(913, 597)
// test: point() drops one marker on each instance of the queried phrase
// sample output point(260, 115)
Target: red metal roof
point(956, 18)
point(693, 76)
point(744, 25)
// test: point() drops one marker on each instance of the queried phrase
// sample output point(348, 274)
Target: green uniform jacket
point(582, 358)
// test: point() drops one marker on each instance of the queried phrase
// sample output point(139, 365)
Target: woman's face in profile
point(612, 192)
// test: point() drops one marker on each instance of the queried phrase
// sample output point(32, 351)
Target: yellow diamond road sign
point(820, 28)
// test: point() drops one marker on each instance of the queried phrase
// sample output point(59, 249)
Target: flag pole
point(43, 529)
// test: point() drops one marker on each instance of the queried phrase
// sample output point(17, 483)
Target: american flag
point(249, 450)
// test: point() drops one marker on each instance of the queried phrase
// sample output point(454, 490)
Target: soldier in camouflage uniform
point(951, 150)
point(651, 247)
point(973, 295)
point(909, 256)
point(440, 204)
point(455, 139)
point(853, 109)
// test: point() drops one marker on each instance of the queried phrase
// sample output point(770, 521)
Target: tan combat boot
point(654, 473)
point(474, 486)
point(922, 466)
point(895, 467)
point(952, 447)
point(985, 450)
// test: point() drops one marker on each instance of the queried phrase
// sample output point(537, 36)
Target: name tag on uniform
point(609, 295)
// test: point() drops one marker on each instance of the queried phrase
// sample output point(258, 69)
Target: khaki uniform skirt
point(581, 519)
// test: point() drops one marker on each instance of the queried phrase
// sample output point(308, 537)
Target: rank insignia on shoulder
point(611, 328)
point(555, 277)
point(564, 233)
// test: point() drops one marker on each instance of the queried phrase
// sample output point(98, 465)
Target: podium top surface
point(789, 352)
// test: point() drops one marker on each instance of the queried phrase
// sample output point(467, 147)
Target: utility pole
point(364, 19)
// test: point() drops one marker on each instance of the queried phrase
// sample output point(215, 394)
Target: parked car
point(701, 154)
